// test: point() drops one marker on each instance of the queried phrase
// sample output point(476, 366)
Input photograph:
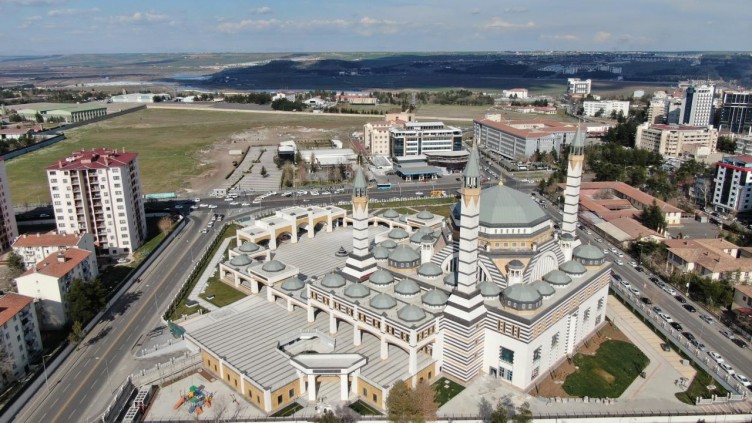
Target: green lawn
point(608, 373)
point(223, 294)
point(288, 411)
point(167, 142)
point(444, 391)
point(364, 409)
point(699, 388)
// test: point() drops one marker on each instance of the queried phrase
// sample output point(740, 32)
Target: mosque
point(492, 290)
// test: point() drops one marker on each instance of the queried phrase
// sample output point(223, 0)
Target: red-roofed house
point(50, 279)
point(99, 192)
point(34, 248)
point(19, 334)
point(519, 139)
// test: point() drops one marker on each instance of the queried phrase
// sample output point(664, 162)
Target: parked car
point(657, 310)
point(666, 317)
point(739, 343)
point(654, 279)
point(122, 260)
point(625, 284)
point(728, 334)
point(689, 336)
point(635, 291)
point(646, 300)
point(670, 290)
point(715, 356)
point(743, 380)
point(665, 347)
point(676, 326)
point(616, 277)
point(727, 367)
point(697, 344)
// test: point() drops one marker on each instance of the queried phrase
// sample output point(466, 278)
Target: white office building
point(579, 87)
point(733, 185)
point(416, 138)
point(99, 192)
point(697, 108)
point(593, 108)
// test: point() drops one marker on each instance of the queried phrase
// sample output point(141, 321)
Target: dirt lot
point(551, 386)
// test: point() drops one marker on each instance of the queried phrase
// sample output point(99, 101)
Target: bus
point(385, 185)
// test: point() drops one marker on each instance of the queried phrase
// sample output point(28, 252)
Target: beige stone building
point(677, 140)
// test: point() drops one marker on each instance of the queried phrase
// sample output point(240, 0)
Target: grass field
point(168, 143)
point(608, 373)
point(445, 390)
point(223, 293)
point(364, 409)
point(699, 388)
point(288, 410)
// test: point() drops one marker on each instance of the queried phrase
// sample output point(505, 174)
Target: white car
point(605, 251)
point(670, 290)
point(122, 260)
point(194, 207)
point(619, 262)
point(727, 368)
point(212, 206)
point(204, 205)
point(246, 204)
point(633, 263)
point(666, 317)
point(625, 283)
point(228, 199)
point(620, 254)
point(257, 200)
point(613, 250)
point(743, 380)
point(196, 200)
point(234, 203)
point(715, 356)
point(178, 206)
point(636, 292)
point(314, 193)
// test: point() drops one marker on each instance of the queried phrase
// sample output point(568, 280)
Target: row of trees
point(538, 103)
point(250, 98)
point(287, 105)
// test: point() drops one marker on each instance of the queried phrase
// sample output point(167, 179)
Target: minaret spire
point(360, 263)
point(574, 180)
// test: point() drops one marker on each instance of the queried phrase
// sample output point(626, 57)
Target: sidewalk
point(211, 267)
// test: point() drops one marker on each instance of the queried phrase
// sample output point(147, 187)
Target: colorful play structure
point(196, 398)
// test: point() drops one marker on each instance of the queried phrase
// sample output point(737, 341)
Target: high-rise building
point(736, 112)
point(415, 138)
point(360, 263)
point(574, 180)
point(8, 227)
point(677, 140)
point(579, 87)
point(697, 107)
point(657, 110)
point(99, 192)
point(733, 185)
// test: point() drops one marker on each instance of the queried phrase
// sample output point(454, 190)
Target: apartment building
point(415, 138)
point(677, 140)
point(376, 137)
point(8, 227)
point(49, 281)
point(99, 192)
point(19, 335)
point(605, 108)
point(657, 110)
point(736, 112)
point(33, 248)
point(576, 86)
point(519, 93)
point(519, 139)
point(733, 184)
point(712, 258)
point(697, 108)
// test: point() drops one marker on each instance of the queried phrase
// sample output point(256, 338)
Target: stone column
point(301, 381)
point(354, 384)
point(332, 323)
point(289, 305)
point(311, 316)
point(384, 349)
point(357, 336)
point(311, 227)
point(343, 394)
point(236, 278)
point(413, 362)
point(254, 286)
point(312, 388)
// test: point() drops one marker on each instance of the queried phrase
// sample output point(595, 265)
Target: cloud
point(140, 17)
point(28, 21)
point(263, 10)
point(258, 25)
point(561, 37)
point(516, 10)
point(71, 12)
point(602, 37)
point(32, 2)
point(499, 23)
point(369, 26)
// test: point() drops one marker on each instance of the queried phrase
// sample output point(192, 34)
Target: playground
point(199, 396)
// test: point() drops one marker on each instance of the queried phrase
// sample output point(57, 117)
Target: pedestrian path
point(203, 280)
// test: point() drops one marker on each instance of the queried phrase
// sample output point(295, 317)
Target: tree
point(653, 218)
point(6, 367)
point(599, 113)
point(85, 299)
point(424, 399)
point(726, 145)
point(400, 405)
point(165, 224)
point(16, 263)
point(157, 98)
point(522, 414)
point(264, 173)
point(76, 334)
point(499, 414)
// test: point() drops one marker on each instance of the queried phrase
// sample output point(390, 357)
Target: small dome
point(273, 266)
point(249, 247)
point(407, 287)
point(430, 270)
point(389, 244)
point(522, 293)
point(293, 284)
point(390, 214)
point(416, 238)
point(489, 289)
point(566, 236)
point(398, 233)
point(450, 279)
point(588, 253)
point(241, 260)
point(427, 239)
point(381, 277)
point(516, 265)
point(357, 290)
point(557, 277)
point(333, 280)
point(380, 253)
point(424, 215)
point(411, 313)
point(404, 254)
point(435, 298)
point(543, 288)
point(425, 230)
point(573, 268)
point(383, 301)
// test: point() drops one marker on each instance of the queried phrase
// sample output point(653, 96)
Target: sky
point(166, 26)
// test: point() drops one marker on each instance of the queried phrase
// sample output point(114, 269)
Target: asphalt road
point(708, 334)
point(87, 372)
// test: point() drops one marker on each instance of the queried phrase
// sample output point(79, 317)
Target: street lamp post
point(107, 367)
point(44, 366)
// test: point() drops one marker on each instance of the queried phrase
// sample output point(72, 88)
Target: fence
point(697, 355)
point(171, 369)
point(120, 400)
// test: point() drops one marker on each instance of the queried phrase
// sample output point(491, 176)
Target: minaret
point(574, 180)
point(360, 263)
point(464, 313)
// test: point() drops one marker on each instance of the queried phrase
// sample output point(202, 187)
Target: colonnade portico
point(345, 366)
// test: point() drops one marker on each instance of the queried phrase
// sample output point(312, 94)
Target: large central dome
point(501, 206)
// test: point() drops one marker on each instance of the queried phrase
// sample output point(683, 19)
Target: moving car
point(646, 300)
point(680, 299)
point(690, 308)
point(676, 325)
point(665, 347)
point(728, 334)
point(670, 290)
point(707, 319)
point(739, 343)
point(666, 317)
point(635, 291)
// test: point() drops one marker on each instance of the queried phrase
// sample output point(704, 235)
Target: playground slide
point(179, 403)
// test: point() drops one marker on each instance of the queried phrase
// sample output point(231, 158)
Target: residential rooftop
point(10, 304)
point(716, 255)
point(50, 239)
point(53, 266)
point(534, 128)
point(98, 158)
